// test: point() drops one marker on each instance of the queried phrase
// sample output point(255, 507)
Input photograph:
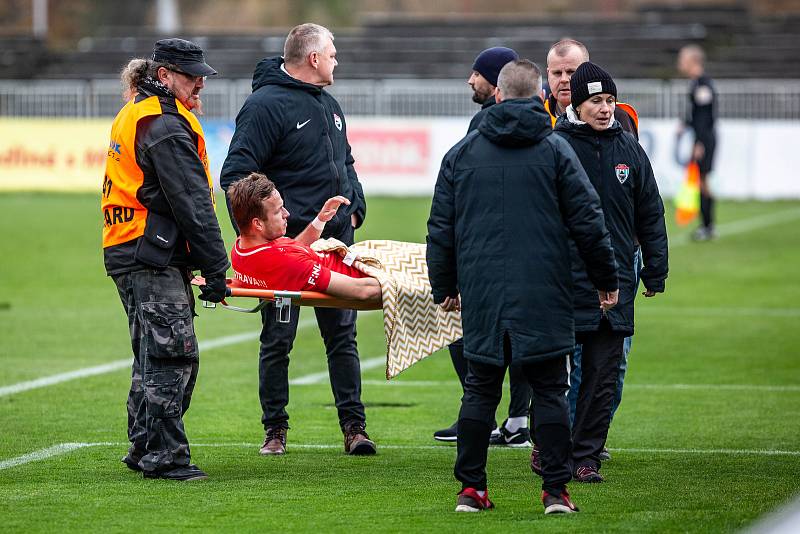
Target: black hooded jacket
point(621, 174)
point(478, 117)
point(507, 199)
point(295, 133)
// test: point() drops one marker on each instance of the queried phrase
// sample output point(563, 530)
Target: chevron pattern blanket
point(413, 325)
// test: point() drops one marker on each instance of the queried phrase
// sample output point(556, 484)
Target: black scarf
point(154, 87)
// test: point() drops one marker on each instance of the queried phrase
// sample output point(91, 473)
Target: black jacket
point(702, 113)
point(621, 174)
point(507, 199)
point(175, 187)
point(478, 117)
point(295, 133)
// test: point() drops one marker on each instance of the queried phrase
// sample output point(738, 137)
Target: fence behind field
point(738, 99)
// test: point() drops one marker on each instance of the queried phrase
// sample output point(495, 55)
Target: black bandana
point(154, 87)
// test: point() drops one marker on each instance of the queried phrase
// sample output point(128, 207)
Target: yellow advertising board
point(53, 154)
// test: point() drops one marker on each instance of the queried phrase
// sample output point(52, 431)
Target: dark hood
point(516, 122)
point(269, 72)
point(563, 124)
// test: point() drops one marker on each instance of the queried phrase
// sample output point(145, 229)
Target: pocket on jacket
point(168, 331)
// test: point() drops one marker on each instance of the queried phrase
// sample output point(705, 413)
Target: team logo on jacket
point(622, 172)
point(337, 120)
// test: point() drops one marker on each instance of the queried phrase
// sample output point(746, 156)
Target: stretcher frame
point(284, 300)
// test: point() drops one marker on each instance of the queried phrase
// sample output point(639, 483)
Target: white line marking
point(316, 378)
point(718, 387)
point(43, 454)
point(744, 225)
point(64, 448)
point(126, 363)
point(721, 312)
point(788, 388)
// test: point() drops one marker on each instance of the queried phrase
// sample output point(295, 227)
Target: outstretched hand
point(330, 207)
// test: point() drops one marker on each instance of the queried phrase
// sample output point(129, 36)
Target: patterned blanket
point(414, 326)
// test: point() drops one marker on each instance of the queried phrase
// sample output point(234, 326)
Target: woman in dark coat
point(621, 173)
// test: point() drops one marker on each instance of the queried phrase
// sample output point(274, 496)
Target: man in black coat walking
point(293, 131)
point(514, 430)
point(508, 198)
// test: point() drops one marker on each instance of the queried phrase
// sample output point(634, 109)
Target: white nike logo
point(301, 124)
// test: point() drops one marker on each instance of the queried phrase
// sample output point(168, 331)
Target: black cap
point(183, 54)
point(489, 62)
point(588, 80)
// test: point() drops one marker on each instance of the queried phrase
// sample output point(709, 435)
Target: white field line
point(790, 388)
point(126, 362)
point(720, 311)
point(43, 454)
point(316, 378)
point(64, 448)
point(744, 225)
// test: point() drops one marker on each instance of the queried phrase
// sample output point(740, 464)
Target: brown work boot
point(356, 440)
point(274, 441)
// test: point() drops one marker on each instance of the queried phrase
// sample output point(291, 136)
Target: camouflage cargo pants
point(160, 308)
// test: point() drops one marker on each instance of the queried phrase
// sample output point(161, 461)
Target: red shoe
point(470, 501)
point(558, 504)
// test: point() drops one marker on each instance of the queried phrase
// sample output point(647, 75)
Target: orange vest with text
point(124, 216)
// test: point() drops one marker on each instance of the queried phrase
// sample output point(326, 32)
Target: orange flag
point(687, 200)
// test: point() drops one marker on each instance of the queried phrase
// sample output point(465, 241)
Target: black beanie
point(588, 80)
point(490, 61)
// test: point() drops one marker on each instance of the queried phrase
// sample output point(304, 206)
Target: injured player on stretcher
point(392, 274)
point(264, 258)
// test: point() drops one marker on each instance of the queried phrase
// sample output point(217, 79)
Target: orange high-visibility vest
point(124, 216)
point(627, 108)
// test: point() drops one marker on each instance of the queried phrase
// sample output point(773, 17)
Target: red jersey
point(287, 265)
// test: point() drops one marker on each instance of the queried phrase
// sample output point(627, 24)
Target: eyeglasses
point(195, 79)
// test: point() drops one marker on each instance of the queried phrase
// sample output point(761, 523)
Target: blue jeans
point(575, 373)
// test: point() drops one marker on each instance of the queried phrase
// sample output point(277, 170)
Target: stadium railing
point(738, 99)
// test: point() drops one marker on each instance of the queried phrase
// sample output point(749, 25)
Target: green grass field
point(707, 438)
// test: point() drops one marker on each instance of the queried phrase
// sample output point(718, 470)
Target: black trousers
point(482, 392)
point(160, 308)
point(600, 359)
point(520, 401)
point(338, 329)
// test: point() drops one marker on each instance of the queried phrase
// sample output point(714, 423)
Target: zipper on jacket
point(335, 189)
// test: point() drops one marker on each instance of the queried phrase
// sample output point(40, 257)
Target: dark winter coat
point(507, 199)
point(478, 117)
point(295, 133)
point(621, 174)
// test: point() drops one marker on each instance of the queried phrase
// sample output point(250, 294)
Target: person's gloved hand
point(214, 289)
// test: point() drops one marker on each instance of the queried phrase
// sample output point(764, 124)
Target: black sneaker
point(588, 474)
point(132, 461)
point(604, 455)
point(558, 504)
point(505, 438)
point(447, 434)
point(183, 473)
